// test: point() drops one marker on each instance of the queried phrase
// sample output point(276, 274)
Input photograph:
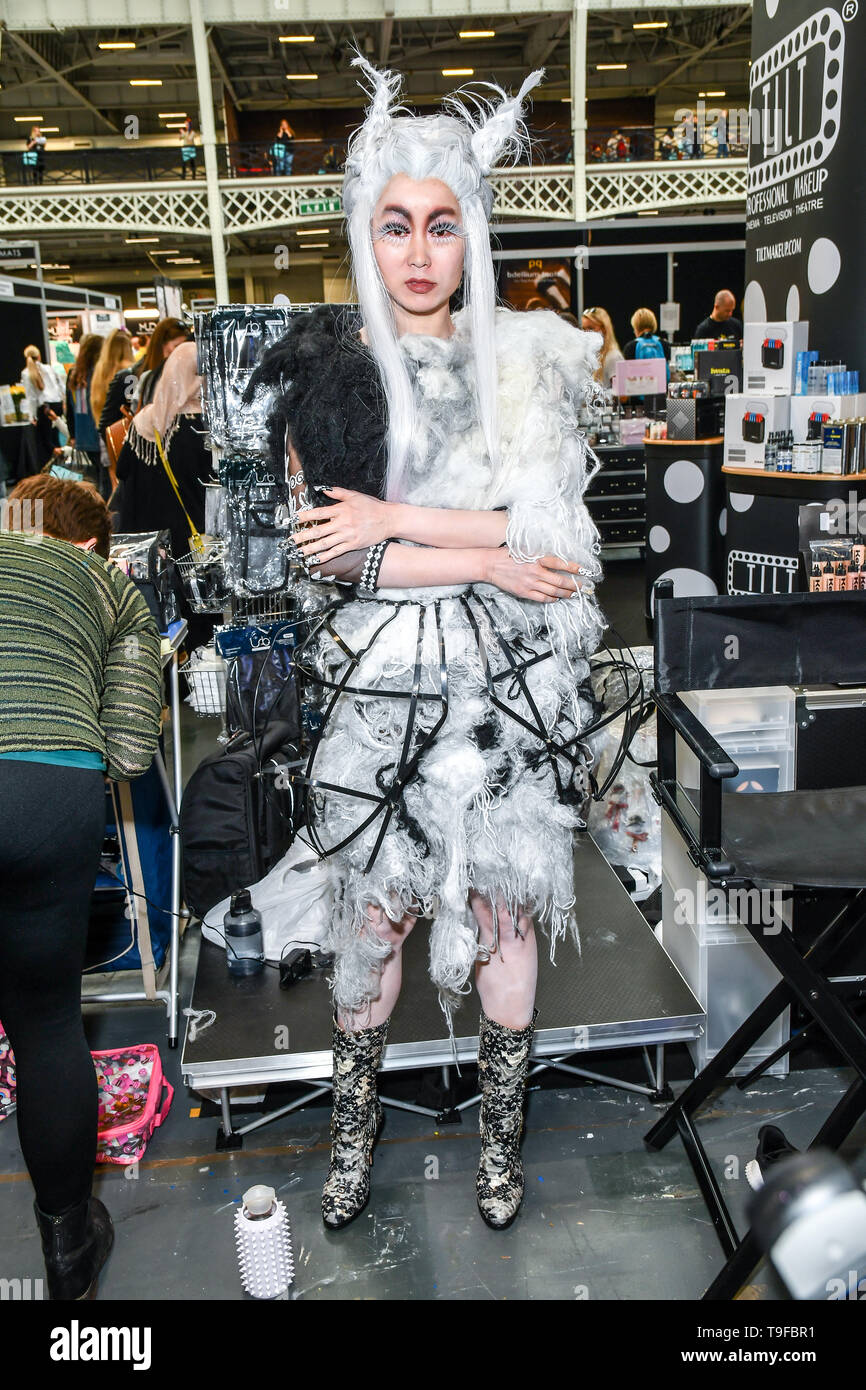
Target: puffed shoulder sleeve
point(546, 371)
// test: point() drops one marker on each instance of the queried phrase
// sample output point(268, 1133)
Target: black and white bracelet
point(372, 564)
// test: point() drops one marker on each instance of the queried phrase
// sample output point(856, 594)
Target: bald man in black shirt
point(721, 322)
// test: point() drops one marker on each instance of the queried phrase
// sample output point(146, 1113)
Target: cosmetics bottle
point(770, 455)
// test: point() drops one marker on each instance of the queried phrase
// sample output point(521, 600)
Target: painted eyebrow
point(404, 212)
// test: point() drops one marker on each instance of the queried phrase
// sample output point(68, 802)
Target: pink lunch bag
point(134, 1099)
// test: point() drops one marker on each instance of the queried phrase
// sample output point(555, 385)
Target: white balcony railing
point(268, 204)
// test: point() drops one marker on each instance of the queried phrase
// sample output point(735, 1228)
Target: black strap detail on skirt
point(408, 765)
point(517, 668)
point(573, 751)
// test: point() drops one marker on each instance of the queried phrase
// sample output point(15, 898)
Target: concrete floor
point(603, 1218)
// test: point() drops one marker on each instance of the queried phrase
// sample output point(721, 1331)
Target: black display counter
point(763, 523)
point(616, 499)
point(684, 516)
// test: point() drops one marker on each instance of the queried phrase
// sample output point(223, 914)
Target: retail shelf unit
point(616, 500)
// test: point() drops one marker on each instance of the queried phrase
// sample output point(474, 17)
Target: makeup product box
point(693, 419)
point(723, 369)
point(835, 407)
point(750, 419)
point(770, 355)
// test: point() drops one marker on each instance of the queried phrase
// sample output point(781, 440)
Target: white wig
point(459, 148)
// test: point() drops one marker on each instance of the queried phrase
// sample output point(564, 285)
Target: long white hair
point(459, 148)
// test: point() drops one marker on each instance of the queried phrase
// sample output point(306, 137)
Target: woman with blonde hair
point(44, 391)
point(116, 354)
point(646, 341)
point(598, 321)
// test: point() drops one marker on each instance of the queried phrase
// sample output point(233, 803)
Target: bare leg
point(506, 982)
point(395, 933)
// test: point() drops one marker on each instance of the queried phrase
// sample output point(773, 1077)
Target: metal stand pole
point(209, 145)
point(177, 770)
point(578, 106)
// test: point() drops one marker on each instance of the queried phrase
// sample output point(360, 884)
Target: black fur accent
point(329, 395)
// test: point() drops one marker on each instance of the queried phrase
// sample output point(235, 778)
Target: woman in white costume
point(441, 462)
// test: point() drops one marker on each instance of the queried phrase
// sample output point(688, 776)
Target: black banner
point(804, 231)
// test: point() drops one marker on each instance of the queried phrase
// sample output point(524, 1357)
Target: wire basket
point(204, 579)
point(205, 676)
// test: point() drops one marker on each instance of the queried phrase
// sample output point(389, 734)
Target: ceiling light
point(184, 260)
point(651, 24)
point(478, 33)
point(297, 38)
point(170, 115)
point(712, 94)
point(34, 119)
point(318, 246)
point(175, 125)
point(52, 129)
point(130, 44)
point(166, 251)
point(313, 231)
point(610, 67)
point(302, 77)
point(651, 213)
point(55, 265)
point(145, 81)
point(458, 72)
point(137, 240)
point(566, 99)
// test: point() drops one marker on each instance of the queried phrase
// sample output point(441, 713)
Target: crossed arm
point(450, 546)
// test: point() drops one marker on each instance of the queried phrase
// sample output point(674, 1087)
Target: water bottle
point(264, 1244)
point(245, 952)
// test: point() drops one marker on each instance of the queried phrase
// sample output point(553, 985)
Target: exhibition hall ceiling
point(86, 90)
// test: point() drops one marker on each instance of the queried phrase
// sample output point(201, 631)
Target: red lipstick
point(420, 286)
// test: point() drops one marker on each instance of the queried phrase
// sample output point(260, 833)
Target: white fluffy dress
point(450, 757)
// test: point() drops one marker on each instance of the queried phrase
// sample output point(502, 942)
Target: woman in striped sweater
point(80, 698)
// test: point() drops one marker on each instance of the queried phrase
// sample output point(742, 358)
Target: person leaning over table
point(80, 697)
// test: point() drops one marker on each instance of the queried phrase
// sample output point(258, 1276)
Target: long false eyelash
point(445, 228)
point(449, 228)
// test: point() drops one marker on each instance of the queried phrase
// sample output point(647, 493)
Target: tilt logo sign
point(795, 116)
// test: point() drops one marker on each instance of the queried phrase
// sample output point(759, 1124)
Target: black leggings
point(52, 823)
point(46, 431)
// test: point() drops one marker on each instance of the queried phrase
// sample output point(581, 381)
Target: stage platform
point(620, 990)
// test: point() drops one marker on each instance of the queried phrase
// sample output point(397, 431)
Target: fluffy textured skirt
point(449, 759)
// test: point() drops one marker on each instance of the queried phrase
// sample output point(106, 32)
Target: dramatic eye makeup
point(398, 225)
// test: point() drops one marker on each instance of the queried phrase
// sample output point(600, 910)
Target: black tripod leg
point(739, 1267)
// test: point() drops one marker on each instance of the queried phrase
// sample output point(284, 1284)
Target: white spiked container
point(264, 1244)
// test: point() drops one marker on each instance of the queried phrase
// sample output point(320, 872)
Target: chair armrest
point(710, 754)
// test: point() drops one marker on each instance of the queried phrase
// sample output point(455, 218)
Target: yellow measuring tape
point(195, 540)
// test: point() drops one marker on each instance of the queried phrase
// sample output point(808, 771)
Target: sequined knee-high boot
point(355, 1122)
point(503, 1062)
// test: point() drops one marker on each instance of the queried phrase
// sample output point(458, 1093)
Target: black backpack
point(235, 824)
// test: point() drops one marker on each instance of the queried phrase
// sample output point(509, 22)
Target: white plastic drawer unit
point(755, 727)
point(716, 955)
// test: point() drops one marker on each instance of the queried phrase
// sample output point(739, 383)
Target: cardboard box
point(750, 419)
point(836, 407)
point(770, 355)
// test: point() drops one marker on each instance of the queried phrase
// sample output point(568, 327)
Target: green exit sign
point(322, 205)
